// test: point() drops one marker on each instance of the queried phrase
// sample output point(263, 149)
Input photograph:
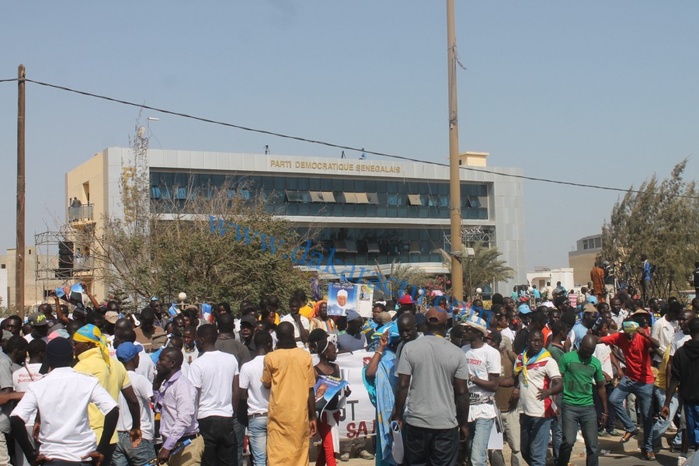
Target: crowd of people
point(81, 385)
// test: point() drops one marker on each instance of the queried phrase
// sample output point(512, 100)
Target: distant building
point(541, 275)
point(369, 213)
point(583, 258)
point(34, 288)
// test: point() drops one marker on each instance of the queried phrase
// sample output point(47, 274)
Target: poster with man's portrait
point(341, 298)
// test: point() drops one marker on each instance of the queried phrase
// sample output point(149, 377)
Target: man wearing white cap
point(483, 362)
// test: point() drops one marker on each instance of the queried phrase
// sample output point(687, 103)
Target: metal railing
point(79, 213)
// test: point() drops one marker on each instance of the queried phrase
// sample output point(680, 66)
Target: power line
point(7, 80)
point(329, 144)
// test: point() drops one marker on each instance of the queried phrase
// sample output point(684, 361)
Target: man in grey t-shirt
point(433, 376)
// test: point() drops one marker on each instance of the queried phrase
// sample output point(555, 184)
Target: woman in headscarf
point(322, 343)
point(321, 319)
point(381, 380)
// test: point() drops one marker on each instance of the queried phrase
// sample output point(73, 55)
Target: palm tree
point(481, 265)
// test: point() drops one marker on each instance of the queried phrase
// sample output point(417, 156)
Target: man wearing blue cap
point(353, 339)
point(126, 454)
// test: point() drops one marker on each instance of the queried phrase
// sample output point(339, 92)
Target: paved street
point(619, 454)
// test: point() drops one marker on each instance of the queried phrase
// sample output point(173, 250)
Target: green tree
point(481, 266)
point(661, 220)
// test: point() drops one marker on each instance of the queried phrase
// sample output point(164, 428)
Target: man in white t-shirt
point(62, 397)
point(215, 376)
point(126, 454)
point(301, 324)
point(538, 380)
point(257, 396)
point(21, 379)
point(618, 314)
point(483, 362)
point(664, 329)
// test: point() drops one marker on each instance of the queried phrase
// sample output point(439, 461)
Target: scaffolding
point(474, 234)
point(61, 260)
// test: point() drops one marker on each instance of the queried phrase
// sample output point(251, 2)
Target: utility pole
point(21, 182)
point(457, 272)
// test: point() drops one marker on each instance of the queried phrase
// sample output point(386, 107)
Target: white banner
point(357, 419)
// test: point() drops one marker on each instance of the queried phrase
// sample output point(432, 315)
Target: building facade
point(581, 260)
point(35, 286)
point(366, 212)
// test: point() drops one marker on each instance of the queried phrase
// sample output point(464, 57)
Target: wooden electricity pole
point(457, 272)
point(21, 182)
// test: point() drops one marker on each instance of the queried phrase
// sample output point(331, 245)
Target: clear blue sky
point(596, 92)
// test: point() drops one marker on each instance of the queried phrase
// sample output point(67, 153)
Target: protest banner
point(357, 418)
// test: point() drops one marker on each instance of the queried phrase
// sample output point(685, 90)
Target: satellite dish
point(141, 131)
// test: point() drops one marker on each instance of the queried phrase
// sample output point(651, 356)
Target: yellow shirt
point(660, 377)
point(307, 311)
point(112, 378)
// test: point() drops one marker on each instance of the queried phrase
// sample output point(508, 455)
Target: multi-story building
point(35, 286)
point(581, 260)
point(367, 212)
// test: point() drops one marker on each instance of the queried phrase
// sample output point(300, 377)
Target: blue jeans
point(240, 438)
point(586, 416)
point(644, 396)
point(257, 435)
point(126, 455)
point(479, 434)
point(556, 436)
point(661, 425)
point(691, 414)
point(535, 439)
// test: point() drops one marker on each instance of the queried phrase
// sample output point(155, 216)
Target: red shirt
point(637, 355)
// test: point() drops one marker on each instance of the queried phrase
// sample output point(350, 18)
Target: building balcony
point(81, 213)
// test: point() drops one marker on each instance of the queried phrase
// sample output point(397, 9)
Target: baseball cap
point(38, 319)
point(406, 299)
point(592, 299)
point(127, 350)
point(248, 320)
point(385, 317)
point(352, 315)
point(524, 309)
point(589, 308)
point(111, 317)
point(436, 315)
point(477, 323)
